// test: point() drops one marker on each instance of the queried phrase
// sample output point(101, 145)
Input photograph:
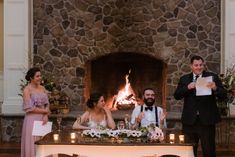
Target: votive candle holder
point(181, 138)
point(56, 137)
point(172, 138)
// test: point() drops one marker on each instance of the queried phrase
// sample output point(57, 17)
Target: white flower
point(113, 133)
point(134, 133)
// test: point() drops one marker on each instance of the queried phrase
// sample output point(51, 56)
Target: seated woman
point(97, 114)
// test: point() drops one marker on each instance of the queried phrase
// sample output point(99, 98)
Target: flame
point(126, 95)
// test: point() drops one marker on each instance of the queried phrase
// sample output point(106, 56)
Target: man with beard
point(148, 113)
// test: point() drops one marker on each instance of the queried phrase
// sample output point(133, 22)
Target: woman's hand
point(110, 121)
point(44, 119)
point(106, 109)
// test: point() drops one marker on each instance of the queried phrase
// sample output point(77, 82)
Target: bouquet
point(228, 81)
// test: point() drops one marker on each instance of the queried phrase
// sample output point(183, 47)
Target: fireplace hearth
point(108, 74)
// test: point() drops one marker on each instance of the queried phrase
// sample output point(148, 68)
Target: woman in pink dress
point(36, 107)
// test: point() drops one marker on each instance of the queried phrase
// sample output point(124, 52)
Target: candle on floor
point(73, 136)
point(56, 137)
point(172, 138)
point(181, 138)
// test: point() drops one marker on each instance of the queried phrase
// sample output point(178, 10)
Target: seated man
point(148, 113)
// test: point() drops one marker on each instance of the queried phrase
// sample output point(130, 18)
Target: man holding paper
point(199, 89)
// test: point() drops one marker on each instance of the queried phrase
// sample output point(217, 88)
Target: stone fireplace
point(91, 44)
point(72, 37)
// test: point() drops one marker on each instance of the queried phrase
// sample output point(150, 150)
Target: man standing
point(200, 113)
point(144, 115)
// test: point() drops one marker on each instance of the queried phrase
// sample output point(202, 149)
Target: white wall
point(1, 51)
point(16, 52)
point(229, 33)
point(228, 39)
point(1, 87)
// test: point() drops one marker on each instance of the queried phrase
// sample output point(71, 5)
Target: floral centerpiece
point(151, 133)
point(228, 81)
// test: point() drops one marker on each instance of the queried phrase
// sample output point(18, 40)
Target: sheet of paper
point(201, 86)
point(41, 130)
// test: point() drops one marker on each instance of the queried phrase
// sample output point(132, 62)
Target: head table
point(63, 142)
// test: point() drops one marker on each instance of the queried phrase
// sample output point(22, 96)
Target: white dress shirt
point(149, 116)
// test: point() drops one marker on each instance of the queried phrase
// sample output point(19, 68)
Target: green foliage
point(228, 81)
point(48, 83)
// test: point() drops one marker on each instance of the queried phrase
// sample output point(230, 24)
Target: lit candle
point(56, 137)
point(181, 138)
point(73, 136)
point(72, 141)
point(172, 138)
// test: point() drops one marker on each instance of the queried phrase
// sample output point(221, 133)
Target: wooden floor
point(13, 150)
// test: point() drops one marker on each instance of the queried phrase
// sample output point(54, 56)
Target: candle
point(73, 135)
point(56, 137)
point(181, 138)
point(172, 138)
point(72, 141)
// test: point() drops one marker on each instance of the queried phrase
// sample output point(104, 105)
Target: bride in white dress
point(97, 114)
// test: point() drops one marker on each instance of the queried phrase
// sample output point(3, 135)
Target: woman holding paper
point(36, 108)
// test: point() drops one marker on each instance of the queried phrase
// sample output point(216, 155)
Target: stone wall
point(12, 125)
point(68, 33)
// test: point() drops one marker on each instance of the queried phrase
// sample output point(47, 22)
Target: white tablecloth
point(115, 151)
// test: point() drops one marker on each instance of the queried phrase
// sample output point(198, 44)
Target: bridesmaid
point(97, 115)
point(36, 107)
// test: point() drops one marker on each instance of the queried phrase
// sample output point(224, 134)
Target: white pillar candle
point(181, 138)
point(73, 136)
point(172, 138)
point(56, 137)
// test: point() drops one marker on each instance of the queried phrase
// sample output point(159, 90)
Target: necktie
point(196, 77)
point(148, 108)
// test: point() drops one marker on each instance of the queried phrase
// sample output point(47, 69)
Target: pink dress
point(39, 100)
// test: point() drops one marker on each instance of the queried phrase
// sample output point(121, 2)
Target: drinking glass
point(127, 121)
point(120, 125)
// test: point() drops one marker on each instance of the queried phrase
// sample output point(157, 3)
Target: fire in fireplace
point(126, 97)
point(111, 75)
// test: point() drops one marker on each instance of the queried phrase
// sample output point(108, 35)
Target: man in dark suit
point(200, 113)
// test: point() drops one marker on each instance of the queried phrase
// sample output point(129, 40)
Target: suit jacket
point(204, 105)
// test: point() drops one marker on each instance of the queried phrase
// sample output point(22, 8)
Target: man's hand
point(140, 117)
point(191, 85)
point(163, 116)
point(212, 86)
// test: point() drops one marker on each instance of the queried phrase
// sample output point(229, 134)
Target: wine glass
point(120, 125)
